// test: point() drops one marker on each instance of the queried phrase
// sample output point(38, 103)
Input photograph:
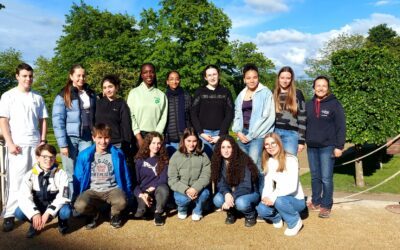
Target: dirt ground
point(354, 224)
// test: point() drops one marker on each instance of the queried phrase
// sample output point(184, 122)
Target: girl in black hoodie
point(325, 138)
point(114, 112)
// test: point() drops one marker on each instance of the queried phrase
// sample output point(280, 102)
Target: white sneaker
point(278, 224)
point(182, 215)
point(293, 231)
point(196, 217)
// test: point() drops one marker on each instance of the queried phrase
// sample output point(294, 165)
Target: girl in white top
point(282, 197)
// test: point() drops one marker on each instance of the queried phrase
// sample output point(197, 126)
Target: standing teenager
point(212, 109)
point(290, 123)
point(325, 138)
point(73, 118)
point(23, 122)
point(113, 111)
point(179, 104)
point(148, 104)
point(254, 115)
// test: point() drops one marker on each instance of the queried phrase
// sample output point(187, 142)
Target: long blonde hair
point(281, 156)
point(290, 102)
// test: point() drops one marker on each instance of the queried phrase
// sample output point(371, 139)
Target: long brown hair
point(290, 102)
point(144, 151)
point(186, 133)
point(281, 156)
point(68, 85)
point(236, 163)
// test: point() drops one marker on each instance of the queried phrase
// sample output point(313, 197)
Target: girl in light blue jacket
point(254, 115)
point(73, 118)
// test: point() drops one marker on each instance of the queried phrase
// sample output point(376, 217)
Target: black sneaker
point(91, 222)
point(8, 224)
point(116, 221)
point(249, 222)
point(158, 219)
point(62, 226)
point(31, 232)
point(230, 218)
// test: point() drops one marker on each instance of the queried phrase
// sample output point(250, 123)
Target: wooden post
point(359, 172)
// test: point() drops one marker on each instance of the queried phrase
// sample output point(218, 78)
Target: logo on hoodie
point(325, 113)
point(156, 100)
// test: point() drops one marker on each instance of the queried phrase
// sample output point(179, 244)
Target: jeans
point(321, 161)
point(290, 140)
point(89, 201)
point(160, 198)
point(244, 204)
point(254, 150)
point(183, 201)
point(171, 147)
point(287, 208)
point(208, 147)
point(63, 214)
point(75, 145)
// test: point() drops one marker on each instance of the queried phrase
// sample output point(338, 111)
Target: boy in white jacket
point(44, 193)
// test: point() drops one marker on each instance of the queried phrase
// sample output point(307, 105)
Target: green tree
point(381, 35)
point(186, 35)
point(368, 84)
point(2, 6)
point(243, 53)
point(98, 69)
point(91, 34)
point(9, 60)
point(322, 64)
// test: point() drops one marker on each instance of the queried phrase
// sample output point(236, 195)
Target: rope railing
point(370, 153)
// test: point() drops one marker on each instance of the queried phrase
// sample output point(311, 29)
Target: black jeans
point(160, 196)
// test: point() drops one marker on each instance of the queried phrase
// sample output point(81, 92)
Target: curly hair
point(144, 151)
point(236, 163)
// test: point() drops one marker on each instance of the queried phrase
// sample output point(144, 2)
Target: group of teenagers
point(156, 149)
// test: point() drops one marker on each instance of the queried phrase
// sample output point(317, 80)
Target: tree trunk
point(359, 168)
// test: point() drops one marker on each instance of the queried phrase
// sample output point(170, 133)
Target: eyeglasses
point(270, 145)
point(48, 157)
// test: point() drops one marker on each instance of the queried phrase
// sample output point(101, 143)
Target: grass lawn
point(344, 179)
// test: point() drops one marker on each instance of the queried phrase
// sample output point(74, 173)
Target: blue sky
point(286, 31)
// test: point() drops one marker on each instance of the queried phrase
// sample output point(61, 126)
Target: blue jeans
point(63, 214)
point(290, 140)
point(75, 145)
point(208, 147)
point(287, 208)
point(321, 161)
point(254, 150)
point(245, 204)
point(172, 147)
point(183, 201)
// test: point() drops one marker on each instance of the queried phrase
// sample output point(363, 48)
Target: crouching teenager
point(282, 196)
point(235, 175)
point(101, 175)
point(189, 175)
point(152, 189)
point(44, 193)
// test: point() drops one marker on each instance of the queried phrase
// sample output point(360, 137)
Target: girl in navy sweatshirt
point(325, 138)
point(151, 177)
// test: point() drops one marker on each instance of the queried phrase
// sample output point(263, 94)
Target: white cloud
point(268, 6)
point(30, 30)
point(292, 47)
point(280, 36)
point(380, 3)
